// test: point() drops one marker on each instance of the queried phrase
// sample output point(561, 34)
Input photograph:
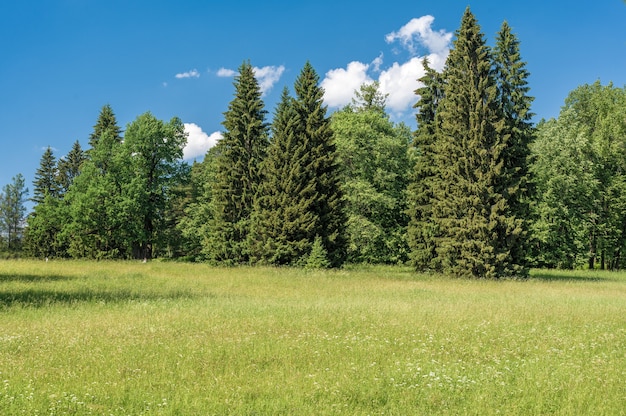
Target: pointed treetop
point(106, 123)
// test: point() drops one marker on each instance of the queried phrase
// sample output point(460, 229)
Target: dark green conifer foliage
point(317, 137)
point(45, 182)
point(469, 208)
point(283, 220)
point(69, 167)
point(515, 104)
point(106, 122)
point(237, 181)
point(45, 222)
point(422, 230)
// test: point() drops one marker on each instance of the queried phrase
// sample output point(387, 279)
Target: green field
point(122, 338)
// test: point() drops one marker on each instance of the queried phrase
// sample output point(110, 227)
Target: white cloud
point(189, 74)
point(198, 142)
point(268, 76)
point(419, 31)
point(339, 84)
point(377, 63)
point(226, 73)
point(400, 80)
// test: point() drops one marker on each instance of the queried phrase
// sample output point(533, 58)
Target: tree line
point(477, 190)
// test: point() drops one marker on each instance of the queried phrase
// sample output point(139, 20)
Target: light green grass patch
point(166, 338)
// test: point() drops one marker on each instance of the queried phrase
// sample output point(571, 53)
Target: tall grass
point(179, 339)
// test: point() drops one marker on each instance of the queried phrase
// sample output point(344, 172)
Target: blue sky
point(62, 60)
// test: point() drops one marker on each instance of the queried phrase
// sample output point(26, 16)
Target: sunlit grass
point(167, 338)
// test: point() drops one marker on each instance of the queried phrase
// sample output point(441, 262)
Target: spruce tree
point(106, 122)
point(283, 220)
point(45, 222)
point(69, 167)
point(469, 209)
point(422, 230)
point(45, 182)
point(316, 135)
point(239, 155)
point(511, 78)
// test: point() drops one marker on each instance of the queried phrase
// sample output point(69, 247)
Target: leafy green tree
point(13, 211)
point(373, 153)
point(315, 133)
point(422, 230)
point(564, 185)
point(197, 213)
point(45, 222)
point(100, 201)
point(579, 171)
point(155, 150)
point(46, 182)
point(283, 217)
point(102, 206)
point(237, 170)
point(369, 98)
point(475, 228)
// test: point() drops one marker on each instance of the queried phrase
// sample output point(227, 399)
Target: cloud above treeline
point(198, 142)
point(399, 79)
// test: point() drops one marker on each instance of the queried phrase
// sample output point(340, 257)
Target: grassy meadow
point(125, 338)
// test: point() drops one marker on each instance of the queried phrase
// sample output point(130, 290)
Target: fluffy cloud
point(268, 76)
point(398, 80)
point(226, 73)
point(198, 142)
point(339, 84)
point(189, 74)
point(419, 31)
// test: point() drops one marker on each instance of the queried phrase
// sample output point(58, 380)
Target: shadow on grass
point(569, 275)
point(5, 277)
point(38, 298)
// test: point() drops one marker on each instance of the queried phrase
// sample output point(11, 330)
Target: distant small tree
point(45, 182)
point(13, 211)
point(318, 258)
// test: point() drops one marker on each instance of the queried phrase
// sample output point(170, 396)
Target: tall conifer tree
point(69, 167)
point(284, 221)
point(45, 182)
point(511, 78)
point(469, 208)
point(316, 135)
point(421, 229)
point(239, 155)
